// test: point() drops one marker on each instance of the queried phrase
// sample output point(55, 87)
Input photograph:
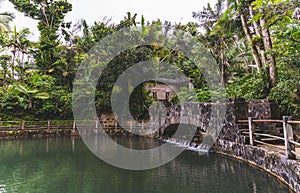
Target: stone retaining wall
point(225, 115)
point(230, 142)
point(269, 160)
point(285, 170)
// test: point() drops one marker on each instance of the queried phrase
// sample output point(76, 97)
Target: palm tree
point(222, 28)
point(5, 19)
point(19, 44)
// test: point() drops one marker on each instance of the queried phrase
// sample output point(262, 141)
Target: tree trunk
point(4, 77)
point(223, 66)
point(240, 50)
point(13, 63)
point(29, 103)
point(257, 32)
point(268, 47)
point(253, 47)
point(223, 60)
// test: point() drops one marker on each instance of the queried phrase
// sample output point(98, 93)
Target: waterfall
point(191, 146)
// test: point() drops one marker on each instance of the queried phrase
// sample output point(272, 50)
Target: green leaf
point(21, 88)
point(32, 91)
point(257, 4)
point(42, 95)
point(257, 17)
point(296, 35)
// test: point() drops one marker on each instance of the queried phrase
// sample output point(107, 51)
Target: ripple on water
point(52, 166)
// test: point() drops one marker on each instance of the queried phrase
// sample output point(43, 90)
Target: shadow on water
point(66, 165)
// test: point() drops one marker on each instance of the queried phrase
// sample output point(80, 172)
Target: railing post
point(143, 125)
point(73, 132)
point(49, 125)
point(23, 125)
point(74, 125)
point(131, 126)
point(288, 135)
point(250, 123)
point(116, 124)
point(97, 122)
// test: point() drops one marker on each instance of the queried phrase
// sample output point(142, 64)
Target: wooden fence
point(288, 143)
point(36, 125)
point(131, 126)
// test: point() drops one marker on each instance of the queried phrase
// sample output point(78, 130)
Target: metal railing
point(288, 135)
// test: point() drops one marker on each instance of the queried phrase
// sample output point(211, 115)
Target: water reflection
point(66, 165)
point(2, 188)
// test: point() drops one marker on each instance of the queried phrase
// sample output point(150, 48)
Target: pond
point(66, 165)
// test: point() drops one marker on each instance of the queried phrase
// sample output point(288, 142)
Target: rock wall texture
point(273, 162)
point(286, 170)
point(230, 141)
point(263, 109)
point(220, 116)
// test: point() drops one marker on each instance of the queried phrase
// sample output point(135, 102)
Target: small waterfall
point(191, 146)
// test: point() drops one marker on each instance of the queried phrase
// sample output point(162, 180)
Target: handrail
point(10, 121)
point(268, 121)
point(67, 124)
point(265, 135)
point(274, 146)
point(289, 143)
point(296, 153)
point(293, 122)
point(295, 143)
point(261, 121)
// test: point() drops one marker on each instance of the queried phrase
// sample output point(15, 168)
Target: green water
point(67, 166)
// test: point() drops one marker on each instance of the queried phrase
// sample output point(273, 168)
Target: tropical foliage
point(256, 45)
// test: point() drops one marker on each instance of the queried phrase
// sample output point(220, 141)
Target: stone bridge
point(217, 119)
point(229, 141)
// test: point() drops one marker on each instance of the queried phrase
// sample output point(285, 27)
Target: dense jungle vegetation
point(256, 44)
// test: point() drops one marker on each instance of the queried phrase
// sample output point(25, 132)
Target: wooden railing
point(131, 126)
point(34, 125)
point(289, 144)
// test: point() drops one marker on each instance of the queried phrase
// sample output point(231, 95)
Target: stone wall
point(227, 112)
point(263, 109)
point(273, 162)
point(286, 170)
point(222, 115)
point(230, 141)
